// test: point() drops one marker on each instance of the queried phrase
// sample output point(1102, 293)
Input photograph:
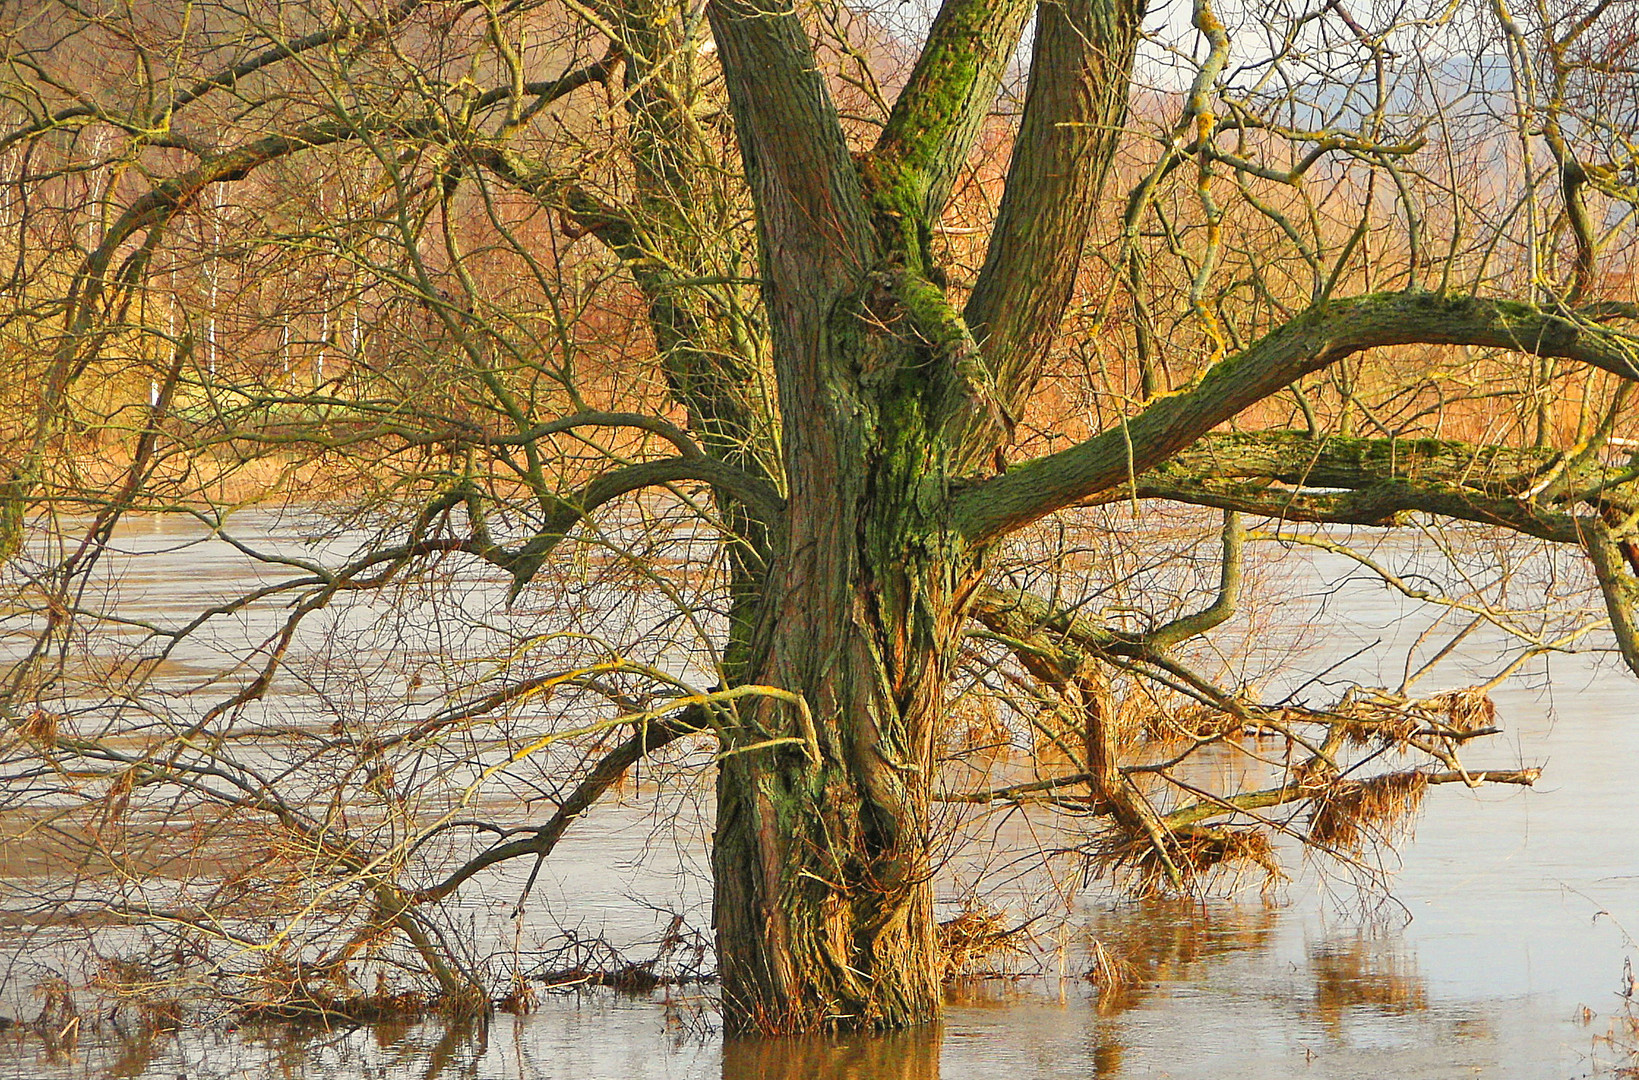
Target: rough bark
point(823, 902)
point(823, 898)
point(1074, 108)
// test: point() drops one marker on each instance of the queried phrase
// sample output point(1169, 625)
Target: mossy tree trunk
point(823, 894)
point(823, 901)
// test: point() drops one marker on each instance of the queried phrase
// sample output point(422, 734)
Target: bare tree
point(780, 414)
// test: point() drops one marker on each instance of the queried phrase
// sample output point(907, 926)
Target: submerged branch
point(1299, 790)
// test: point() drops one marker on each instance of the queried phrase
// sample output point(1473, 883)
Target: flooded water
point(1500, 953)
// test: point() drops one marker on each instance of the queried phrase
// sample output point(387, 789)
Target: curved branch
point(1321, 336)
point(686, 446)
point(605, 774)
point(1620, 587)
point(1223, 606)
point(227, 78)
point(757, 496)
point(1041, 633)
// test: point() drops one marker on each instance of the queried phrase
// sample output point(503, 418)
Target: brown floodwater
point(1500, 953)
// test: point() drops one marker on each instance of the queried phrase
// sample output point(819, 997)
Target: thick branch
point(1383, 504)
point(937, 116)
point(1621, 589)
point(1292, 477)
point(1073, 113)
point(1321, 336)
point(810, 209)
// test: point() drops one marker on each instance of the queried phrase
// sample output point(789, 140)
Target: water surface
point(1499, 954)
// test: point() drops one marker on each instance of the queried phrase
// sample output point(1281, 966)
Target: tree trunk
point(824, 907)
point(824, 904)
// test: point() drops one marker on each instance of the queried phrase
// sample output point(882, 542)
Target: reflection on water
point(1364, 972)
point(1217, 990)
point(900, 1056)
point(1170, 940)
point(1139, 947)
point(1372, 1025)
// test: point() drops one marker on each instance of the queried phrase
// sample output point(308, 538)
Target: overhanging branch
point(605, 774)
point(1289, 477)
point(1321, 336)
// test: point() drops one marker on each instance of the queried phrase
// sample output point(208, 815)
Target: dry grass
point(976, 727)
point(979, 941)
point(1468, 709)
point(681, 956)
point(1199, 853)
point(309, 1005)
point(1390, 721)
point(291, 992)
point(1351, 814)
point(521, 997)
point(1622, 1038)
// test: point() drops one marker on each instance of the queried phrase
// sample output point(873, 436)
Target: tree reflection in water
point(1164, 941)
point(909, 1055)
point(1364, 972)
point(1347, 996)
point(1159, 941)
